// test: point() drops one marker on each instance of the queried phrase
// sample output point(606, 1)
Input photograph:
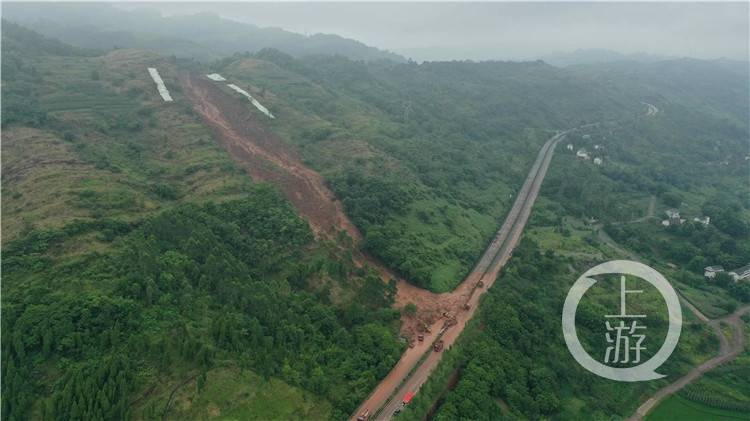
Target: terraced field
point(110, 147)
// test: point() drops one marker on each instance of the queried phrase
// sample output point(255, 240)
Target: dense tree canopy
point(187, 287)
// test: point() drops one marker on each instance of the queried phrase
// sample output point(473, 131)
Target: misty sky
point(509, 30)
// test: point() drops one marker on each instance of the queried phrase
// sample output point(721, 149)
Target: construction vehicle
point(420, 337)
point(448, 323)
point(407, 397)
point(438, 346)
point(364, 416)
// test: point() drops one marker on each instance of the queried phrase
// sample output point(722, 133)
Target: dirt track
point(729, 350)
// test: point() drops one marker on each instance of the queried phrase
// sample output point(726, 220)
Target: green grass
point(234, 394)
point(677, 408)
point(727, 386)
point(448, 237)
point(447, 276)
point(711, 300)
point(112, 149)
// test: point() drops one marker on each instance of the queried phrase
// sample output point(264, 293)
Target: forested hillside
point(204, 36)
point(146, 275)
point(713, 87)
point(691, 156)
point(426, 158)
point(142, 270)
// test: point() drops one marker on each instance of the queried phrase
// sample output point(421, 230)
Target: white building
point(711, 271)
point(583, 154)
point(673, 218)
point(570, 146)
point(598, 161)
point(741, 273)
point(705, 220)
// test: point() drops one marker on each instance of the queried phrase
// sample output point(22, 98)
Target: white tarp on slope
point(159, 84)
point(216, 77)
point(257, 104)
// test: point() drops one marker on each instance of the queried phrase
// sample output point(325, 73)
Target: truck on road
point(364, 416)
point(407, 398)
point(438, 346)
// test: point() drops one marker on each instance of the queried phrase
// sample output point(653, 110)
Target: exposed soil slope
point(267, 158)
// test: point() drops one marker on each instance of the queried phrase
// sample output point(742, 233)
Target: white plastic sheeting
point(257, 104)
point(652, 110)
point(216, 77)
point(163, 91)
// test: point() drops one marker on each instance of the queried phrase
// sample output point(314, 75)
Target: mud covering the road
point(267, 158)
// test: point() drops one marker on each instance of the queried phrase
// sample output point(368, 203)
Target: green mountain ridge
point(203, 35)
point(146, 276)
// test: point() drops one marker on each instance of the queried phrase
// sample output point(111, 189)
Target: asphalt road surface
point(487, 269)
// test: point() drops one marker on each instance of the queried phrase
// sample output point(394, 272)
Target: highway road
point(257, 151)
point(494, 258)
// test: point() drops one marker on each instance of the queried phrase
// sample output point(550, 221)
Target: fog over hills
point(509, 30)
point(561, 34)
point(203, 35)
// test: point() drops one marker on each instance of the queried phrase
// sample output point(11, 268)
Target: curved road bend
point(487, 269)
point(729, 350)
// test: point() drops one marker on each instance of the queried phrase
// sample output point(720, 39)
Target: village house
point(673, 218)
point(711, 271)
point(598, 161)
point(740, 273)
point(705, 220)
point(583, 154)
point(570, 146)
